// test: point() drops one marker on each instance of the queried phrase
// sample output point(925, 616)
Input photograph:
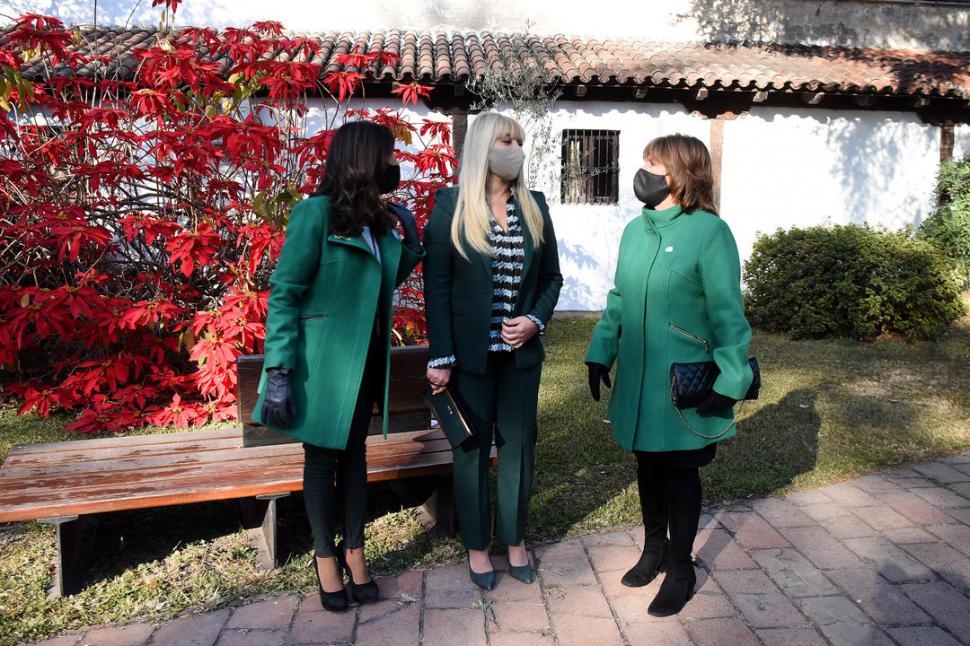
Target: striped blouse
point(508, 258)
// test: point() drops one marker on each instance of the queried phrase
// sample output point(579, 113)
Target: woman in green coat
point(491, 282)
point(327, 349)
point(677, 299)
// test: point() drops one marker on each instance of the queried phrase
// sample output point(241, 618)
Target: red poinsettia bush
point(143, 205)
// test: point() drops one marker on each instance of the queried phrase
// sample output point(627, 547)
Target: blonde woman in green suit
point(491, 282)
point(677, 299)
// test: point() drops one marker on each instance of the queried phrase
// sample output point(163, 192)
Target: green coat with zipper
point(323, 299)
point(677, 298)
point(458, 292)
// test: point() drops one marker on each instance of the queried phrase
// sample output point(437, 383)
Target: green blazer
point(677, 299)
point(458, 292)
point(323, 299)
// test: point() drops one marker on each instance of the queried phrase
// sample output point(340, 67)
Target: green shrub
point(850, 281)
point(948, 229)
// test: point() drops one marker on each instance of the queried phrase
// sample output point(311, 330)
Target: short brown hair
point(688, 162)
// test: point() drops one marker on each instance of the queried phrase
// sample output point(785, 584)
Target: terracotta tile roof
point(446, 57)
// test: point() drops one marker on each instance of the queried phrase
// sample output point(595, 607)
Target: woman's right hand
point(598, 372)
point(278, 408)
point(439, 378)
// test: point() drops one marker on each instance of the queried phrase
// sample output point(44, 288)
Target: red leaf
point(412, 92)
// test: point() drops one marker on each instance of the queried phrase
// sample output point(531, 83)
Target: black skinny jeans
point(670, 500)
point(333, 478)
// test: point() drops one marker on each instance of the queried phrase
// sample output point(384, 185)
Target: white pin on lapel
point(669, 249)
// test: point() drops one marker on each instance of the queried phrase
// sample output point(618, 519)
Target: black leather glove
point(715, 403)
point(597, 372)
point(278, 401)
point(406, 218)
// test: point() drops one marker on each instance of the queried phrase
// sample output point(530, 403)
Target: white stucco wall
point(800, 167)
point(961, 141)
point(852, 23)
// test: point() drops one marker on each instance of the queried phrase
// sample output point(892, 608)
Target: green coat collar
point(664, 217)
point(350, 241)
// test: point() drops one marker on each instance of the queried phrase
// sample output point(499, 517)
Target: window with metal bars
point(590, 166)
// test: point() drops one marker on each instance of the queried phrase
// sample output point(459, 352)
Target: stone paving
point(882, 559)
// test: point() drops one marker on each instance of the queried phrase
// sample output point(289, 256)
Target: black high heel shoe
point(652, 562)
point(332, 601)
point(361, 593)
point(484, 580)
point(523, 573)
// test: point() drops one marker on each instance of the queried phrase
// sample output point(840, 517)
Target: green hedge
point(850, 281)
point(948, 229)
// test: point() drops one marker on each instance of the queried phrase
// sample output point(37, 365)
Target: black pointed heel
point(523, 573)
point(484, 580)
point(332, 601)
point(652, 562)
point(362, 593)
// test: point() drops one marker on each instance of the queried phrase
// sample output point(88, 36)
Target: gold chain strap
point(691, 428)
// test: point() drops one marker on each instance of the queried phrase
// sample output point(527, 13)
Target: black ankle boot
point(675, 591)
point(652, 562)
point(332, 601)
point(361, 593)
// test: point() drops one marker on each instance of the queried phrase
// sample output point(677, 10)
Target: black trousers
point(670, 499)
point(336, 481)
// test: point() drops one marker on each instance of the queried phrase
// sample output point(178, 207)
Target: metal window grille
point(590, 166)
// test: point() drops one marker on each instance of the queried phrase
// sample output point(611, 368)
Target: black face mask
point(390, 180)
point(651, 189)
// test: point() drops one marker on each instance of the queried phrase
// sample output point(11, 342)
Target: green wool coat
point(458, 292)
point(677, 299)
point(323, 299)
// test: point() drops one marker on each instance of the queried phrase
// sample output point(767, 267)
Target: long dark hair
point(356, 159)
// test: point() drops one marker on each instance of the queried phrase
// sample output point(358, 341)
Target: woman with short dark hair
point(327, 349)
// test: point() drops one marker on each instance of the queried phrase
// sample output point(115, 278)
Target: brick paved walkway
point(882, 559)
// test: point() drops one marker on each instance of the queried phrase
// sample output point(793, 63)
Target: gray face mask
point(506, 162)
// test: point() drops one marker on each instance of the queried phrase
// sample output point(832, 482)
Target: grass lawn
point(828, 410)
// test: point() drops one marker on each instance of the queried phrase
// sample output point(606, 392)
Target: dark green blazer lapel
point(484, 261)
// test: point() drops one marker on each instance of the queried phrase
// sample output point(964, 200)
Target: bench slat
point(128, 441)
point(26, 494)
point(116, 461)
point(222, 486)
point(11, 485)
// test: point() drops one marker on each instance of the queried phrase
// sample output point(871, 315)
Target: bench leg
point(259, 517)
point(75, 543)
point(439, 509)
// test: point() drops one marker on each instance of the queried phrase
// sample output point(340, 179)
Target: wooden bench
point(67, 484)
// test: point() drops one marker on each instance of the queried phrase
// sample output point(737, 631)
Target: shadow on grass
point(762, 458)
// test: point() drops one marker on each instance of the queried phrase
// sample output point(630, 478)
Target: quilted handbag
point(691, 383)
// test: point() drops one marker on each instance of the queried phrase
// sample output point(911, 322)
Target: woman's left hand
point(715, 403)
point(517, 331)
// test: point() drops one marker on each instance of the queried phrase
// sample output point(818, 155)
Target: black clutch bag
point(691, 383)
point(450, 417)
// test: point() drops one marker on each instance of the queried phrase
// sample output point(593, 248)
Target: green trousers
point(502, 402)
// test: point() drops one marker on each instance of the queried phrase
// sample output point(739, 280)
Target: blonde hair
point(471, 220)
